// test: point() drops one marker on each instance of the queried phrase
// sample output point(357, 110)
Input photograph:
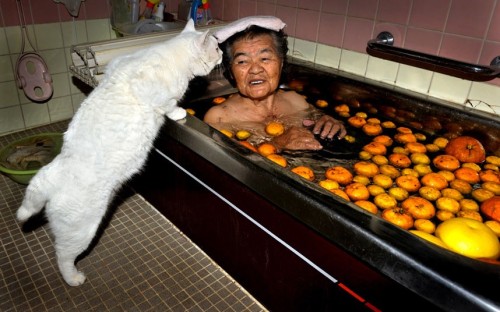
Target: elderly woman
point(254, 57)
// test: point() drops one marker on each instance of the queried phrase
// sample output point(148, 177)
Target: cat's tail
point(33, 202)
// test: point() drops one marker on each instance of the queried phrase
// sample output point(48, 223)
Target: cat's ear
point(189, 26)
point(203, 38)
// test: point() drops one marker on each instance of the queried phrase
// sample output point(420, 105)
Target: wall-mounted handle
point(382, 47)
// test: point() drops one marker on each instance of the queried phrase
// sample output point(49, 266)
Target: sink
point(148, 26)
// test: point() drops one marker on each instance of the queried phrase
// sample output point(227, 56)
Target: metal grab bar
point(382, 47)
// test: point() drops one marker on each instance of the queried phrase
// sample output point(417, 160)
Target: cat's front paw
point(75, 279)
point(177, 113)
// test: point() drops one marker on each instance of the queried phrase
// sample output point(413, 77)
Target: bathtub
point(293, 245)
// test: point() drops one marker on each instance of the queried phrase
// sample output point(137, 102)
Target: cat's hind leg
point(73, 232)
point(34, 200)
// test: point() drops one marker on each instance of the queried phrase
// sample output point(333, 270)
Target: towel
point(269, 22)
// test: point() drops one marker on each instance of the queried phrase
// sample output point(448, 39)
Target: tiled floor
point(141, 262)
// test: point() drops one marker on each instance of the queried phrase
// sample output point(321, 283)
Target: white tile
point(304, 50)
point(9, 97)
point(449, 88)
point(13, 36)
point(49, 36)
point(60, 83)
point(382, 70)
point(98, 30)
point(415, 79)
point(35, 114)
point(487, 93)
point(60, 108)
point(4, 47)
point(11, 119)
point(77, 100)
point(55, 60)
point(74, 32)
point(328, 55)
point(353, 62)
point(6, 68)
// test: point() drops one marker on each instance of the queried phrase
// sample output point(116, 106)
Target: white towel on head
point(269, 22)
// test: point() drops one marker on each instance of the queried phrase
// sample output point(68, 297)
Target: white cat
point(109, 138)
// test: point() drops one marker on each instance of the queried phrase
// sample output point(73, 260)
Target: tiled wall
point(328, 32)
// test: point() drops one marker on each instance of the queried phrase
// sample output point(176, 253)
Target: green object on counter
point(21, 159)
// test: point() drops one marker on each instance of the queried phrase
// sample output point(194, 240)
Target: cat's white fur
point(109, 138)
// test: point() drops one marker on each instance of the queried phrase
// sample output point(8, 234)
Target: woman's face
point(256, 67)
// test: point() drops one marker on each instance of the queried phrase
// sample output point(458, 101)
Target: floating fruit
point(429, 237)
point(304, 172)
point(219, 100)
point(278, 159)
point(418, 207)
point(469, 237)
point(275, 128)
point(340, 174)
point(491, 208)
point(367, 205)
point(243, 134)
point(466, 149)
point(266, 149)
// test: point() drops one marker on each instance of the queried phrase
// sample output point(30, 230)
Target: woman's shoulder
point(294, 98)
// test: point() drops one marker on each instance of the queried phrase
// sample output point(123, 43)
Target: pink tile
point(465, 49)
point(307, 25)
point(217, 8)
point(397, 31)
point(96, 9)
point(247, 8)
point(362, 8)
point(494, 29)
point(357, 33)
point(468, 18)
point(9, 13)
point(288, 3)
point(44, 11)
point(310, 4)
point(230, 12)
point(331, 29)
point(338, 6)
point(394, 11)
point(490, 51)
point(423, 40)
point(266, 8)
point(287, 15)
point(429, 14)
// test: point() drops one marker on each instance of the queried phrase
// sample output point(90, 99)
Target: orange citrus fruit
point(304, 172)
point(425, 225)
point(446, 162)
point(278, 159)
point(340, 174)
point(366, 168)
point(267, 149)
point(275, 128)
point(367, 205)
point(340, 193)
point(357, 191)
point(408, 182)
point(329, 184)
point(435, 180)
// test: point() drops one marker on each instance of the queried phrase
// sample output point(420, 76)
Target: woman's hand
point(327, 127)
point(297, 138)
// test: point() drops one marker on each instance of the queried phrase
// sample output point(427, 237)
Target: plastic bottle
point(159, 12)
point(134, 11)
